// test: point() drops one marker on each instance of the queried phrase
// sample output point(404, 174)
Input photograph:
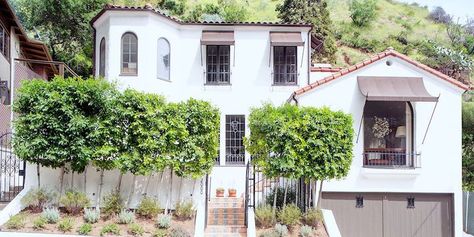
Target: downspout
point(309, 56)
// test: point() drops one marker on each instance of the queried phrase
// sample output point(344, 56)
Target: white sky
point(457, 8)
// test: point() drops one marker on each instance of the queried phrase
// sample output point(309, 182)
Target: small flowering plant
point(381, 127)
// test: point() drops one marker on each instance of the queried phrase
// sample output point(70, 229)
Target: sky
point(458, 8)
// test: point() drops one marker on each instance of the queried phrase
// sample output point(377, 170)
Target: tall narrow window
point(234, 144)
point(4, 42)
point(163, 59)
point(218, 64)
point(102, 58)
point(129, 54)
point(284, 65)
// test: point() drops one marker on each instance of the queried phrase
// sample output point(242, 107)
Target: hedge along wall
point(87, 125)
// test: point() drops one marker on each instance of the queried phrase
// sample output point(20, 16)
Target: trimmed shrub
point(91, 215)
point(39, 223)
point(281, 230)
point(126, 217)
point(110, 229)
point(184, 210)
point(290, 197)
point(84, 229)
point(179, 232)
point(113, 204)
point(135, 229)
point(264, 216)
point(65, 225)
point(16, 222)
point(51, 214)
point(164, 221)
point(306, 231)
point(289, 215)
point(74, 201)
point(313, 217)
point(362, 12)
point(38, 198)
point(148, 208)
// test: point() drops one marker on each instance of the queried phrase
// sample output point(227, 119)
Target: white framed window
point(129, 54)
point(164, 62)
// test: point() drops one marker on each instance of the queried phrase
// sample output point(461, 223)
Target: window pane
point(387, 131)
point(102, 58)
point(235, 132)
point(129, 53)
point(163, 59)
point(218, 64)
point(284, 65)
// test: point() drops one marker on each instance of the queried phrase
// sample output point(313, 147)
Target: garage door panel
point(352, 221)
point(390, 215)
point(426, 218)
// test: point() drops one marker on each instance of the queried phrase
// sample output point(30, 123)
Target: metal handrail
point(61, 65)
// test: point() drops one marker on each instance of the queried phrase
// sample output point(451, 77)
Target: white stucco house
point(405, 178)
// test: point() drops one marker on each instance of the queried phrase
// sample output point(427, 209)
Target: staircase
point(226, 218)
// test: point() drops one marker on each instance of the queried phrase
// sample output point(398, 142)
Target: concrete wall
point(440, 170)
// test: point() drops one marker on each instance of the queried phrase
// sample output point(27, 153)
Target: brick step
point(226, 229)
point(225, 205)
point(227, 210)
point(226, 222)
point(226, 215)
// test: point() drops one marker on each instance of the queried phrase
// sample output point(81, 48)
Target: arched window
point(388, 134)
point(129, 54)
point(163, 59)
point(102, 58)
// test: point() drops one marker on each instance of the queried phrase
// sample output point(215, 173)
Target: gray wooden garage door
point(391, 214)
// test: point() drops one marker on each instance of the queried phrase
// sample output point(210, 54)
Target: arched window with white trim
point(129, 54)
point(163, 59)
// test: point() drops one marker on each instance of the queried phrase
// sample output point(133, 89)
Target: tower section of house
point(405, 177)
point(235, 66)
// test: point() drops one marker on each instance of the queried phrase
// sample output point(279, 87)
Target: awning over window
point(286, 39)
point(394, 89)
point(217, 38)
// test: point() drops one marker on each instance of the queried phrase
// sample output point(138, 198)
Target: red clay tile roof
point(148, 7)
point(326, 69)
point(377, 57)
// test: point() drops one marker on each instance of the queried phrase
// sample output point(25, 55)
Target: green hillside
point(393, 19)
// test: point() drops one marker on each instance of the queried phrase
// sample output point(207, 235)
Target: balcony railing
point(390, 158)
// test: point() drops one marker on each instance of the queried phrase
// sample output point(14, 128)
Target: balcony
point(390, 158)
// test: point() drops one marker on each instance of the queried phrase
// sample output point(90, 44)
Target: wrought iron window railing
point(390, 158)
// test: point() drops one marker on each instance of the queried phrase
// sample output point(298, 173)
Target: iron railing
point(390, 159)
point(12, 170)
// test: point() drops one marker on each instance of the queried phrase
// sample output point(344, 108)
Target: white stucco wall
point(251, 70)
point(441, 153)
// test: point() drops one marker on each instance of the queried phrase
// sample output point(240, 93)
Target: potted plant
point(220, 192)
point(232, 192)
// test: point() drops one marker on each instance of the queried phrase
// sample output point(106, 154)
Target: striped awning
point(286, 39)
point(217, 38)
point(394, 89)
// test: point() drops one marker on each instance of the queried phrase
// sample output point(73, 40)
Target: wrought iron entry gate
point(261, 189)
point(12, 170)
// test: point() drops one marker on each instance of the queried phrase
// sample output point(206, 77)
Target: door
point(391, 214)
